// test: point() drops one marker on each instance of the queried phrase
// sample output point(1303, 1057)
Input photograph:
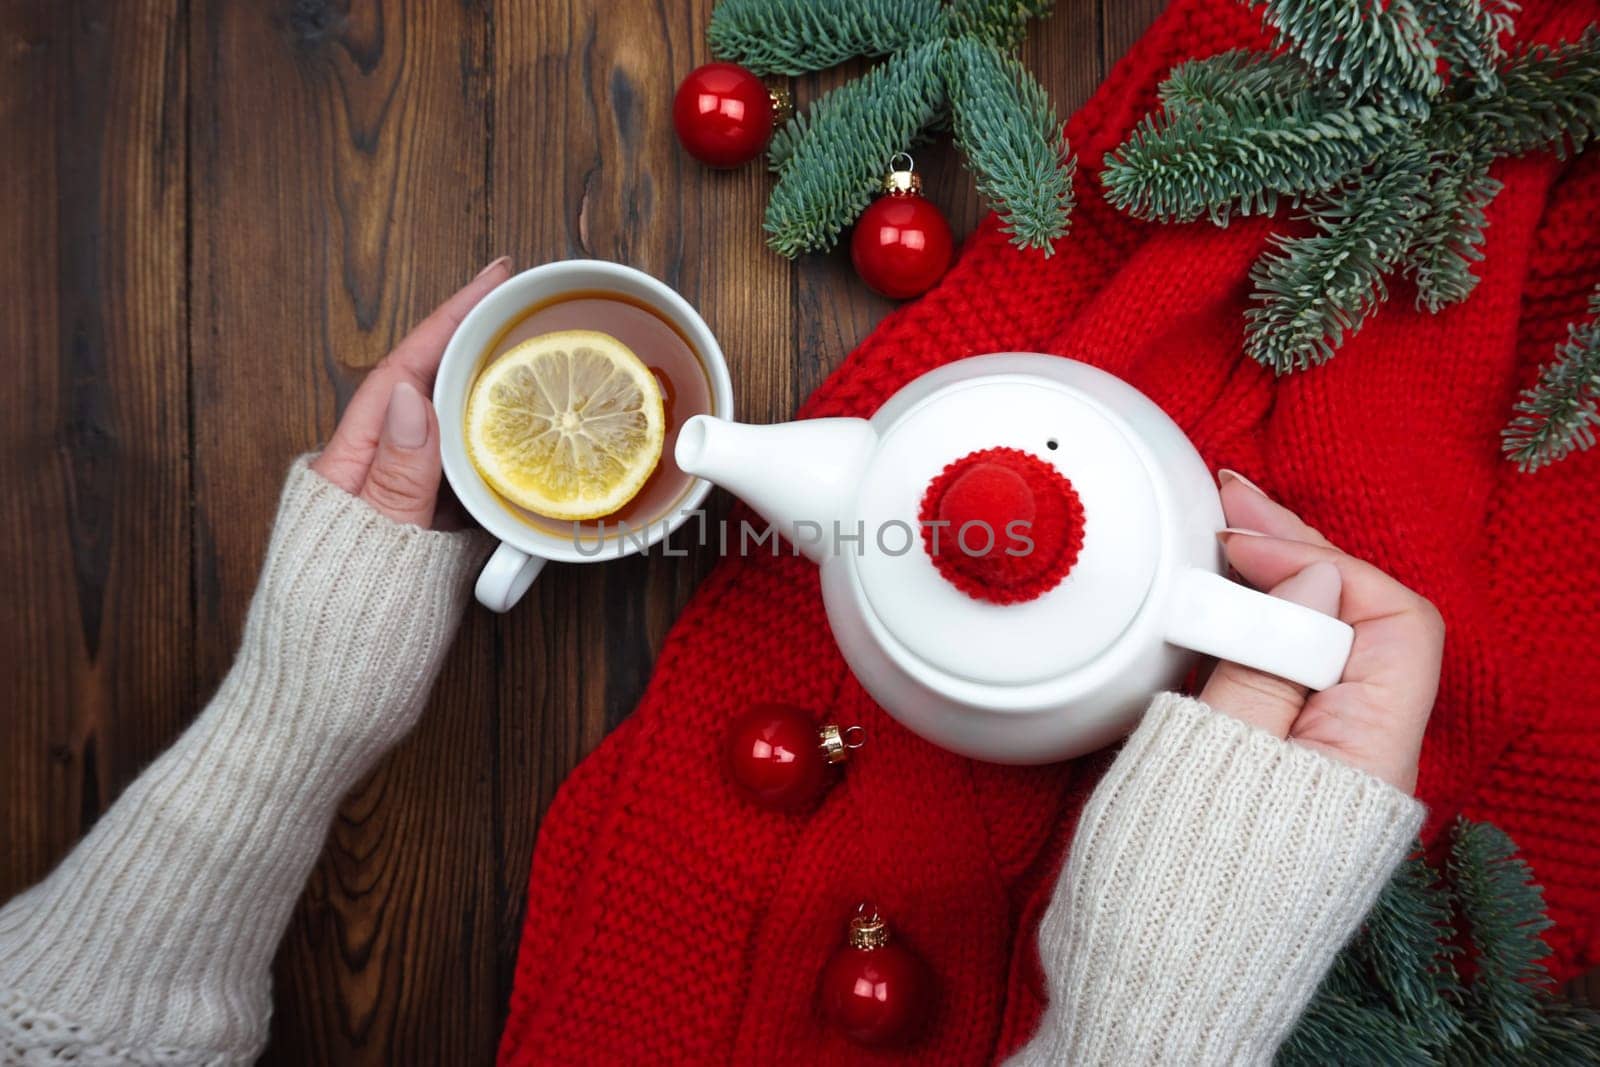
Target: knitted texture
point(1213, 877)
point(669, 920)
point(152, 942)
point(967, 518)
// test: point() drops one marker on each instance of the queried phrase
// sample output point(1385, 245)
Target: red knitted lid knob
point(989, 493)
point(1002, 525)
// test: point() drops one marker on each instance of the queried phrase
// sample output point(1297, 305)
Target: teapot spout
point(799, 476)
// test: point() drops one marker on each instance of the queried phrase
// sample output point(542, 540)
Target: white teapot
point(1056, 675)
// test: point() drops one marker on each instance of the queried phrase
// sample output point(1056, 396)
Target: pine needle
point(1313, 291)
point(1336, 1030)
point(798, 36)
point(1548, 101)
point(833, 160)
point(1564, 1035)
point(1405, 953)
point(1468, 33)
point(1366, 46)
point(1393, 996)
point(1242, 154)
point(1005, 126)
point(1502, 910)
point(1232, 75)
point(1449, 237)
point(1001, 23)
point(1558, 415)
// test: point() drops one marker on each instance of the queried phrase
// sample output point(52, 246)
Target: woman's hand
point(1374, 718)
point(386, 447)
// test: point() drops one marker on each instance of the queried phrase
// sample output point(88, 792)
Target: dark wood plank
point(39, 815)
point(1123, 22)
point(339, 193)
point(1068, 51)
point(94, 447)
point(833, 310)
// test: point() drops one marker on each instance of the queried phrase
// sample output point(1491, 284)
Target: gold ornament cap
point(902, 180)
point(868, 930)
point(837, 744)
point(782, 104)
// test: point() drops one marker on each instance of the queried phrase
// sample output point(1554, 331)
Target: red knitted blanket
point(671, 921)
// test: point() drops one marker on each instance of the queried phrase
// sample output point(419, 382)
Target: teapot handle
point(1222, 618)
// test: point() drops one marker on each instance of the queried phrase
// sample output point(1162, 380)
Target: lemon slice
point(568, 425)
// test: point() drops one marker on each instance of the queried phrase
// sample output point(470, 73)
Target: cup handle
point(507, 575)
point(1222, 618)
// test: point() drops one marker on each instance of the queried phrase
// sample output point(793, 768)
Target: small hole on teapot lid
point(1052, 444)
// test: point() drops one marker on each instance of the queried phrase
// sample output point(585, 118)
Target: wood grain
point(339, 192)
point(95, 545)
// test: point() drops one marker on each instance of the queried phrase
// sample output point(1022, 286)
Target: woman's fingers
point(1248, 508)
point(1264, 700)
point(417, 356)
point(1399, 635)
point(403, 482)
point(1375, 716)
point(1264, 560)
point(349, 452)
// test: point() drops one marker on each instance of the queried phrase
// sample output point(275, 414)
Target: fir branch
point(1353, 84)
point(1005, 126)
point(833, 158)
point(1548, 100)
point(1558, 415)
point(1242, 155)
point(1230, 75)
point(1468, 34)
point(1393, 997)
point(1002, 23)
point(1502, 910)
point(1314, 290)
point(799, 36)
point(1565, 1035)
point(1450, 234)
point(1404, 952)
point(1368, 47)
point(1338, 1030)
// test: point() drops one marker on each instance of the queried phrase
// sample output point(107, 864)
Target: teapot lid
point(930, 606)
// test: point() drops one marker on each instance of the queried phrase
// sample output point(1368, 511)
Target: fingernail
point(406, 422)
point(503, 261)
point(1316, 587)
point(1228, 531)
point(1224, 476)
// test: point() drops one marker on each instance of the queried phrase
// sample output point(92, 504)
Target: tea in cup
point(563, 306)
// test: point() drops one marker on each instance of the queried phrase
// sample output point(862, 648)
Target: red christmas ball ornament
point(725, 115)
point(901, 244)
point(875, 989)
point(779, 758)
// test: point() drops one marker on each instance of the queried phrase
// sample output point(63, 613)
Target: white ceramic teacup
point(523, 548)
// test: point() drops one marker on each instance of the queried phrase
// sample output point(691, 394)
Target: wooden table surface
point(218, 214)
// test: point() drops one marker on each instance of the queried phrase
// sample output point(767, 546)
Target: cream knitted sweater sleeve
point(152, 942)
point(1214, 875)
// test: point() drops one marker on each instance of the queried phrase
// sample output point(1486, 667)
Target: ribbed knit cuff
point(153, 940)
point(1214, 876)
